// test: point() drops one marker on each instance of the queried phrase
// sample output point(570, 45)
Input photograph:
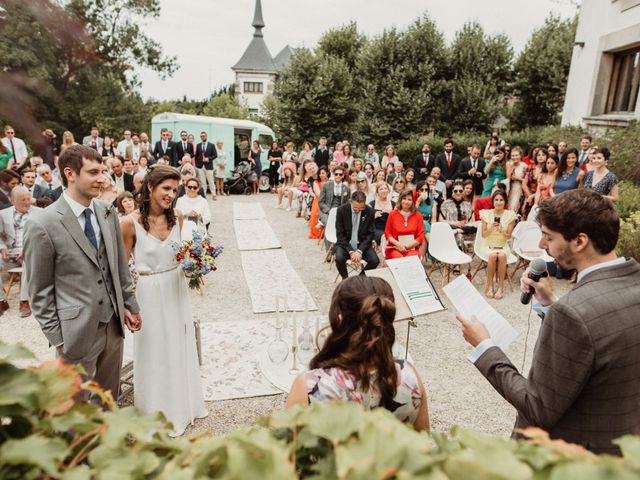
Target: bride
point(166, 374)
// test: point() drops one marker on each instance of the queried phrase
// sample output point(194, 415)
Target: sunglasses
point(399, 181)
point(424, 189)
point(457, 191)
point(338, 174)
point(192, 188)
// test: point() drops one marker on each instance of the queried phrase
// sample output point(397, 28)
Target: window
point(252, 87)
point(625, 79)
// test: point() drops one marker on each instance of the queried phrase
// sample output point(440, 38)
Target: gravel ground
point(458, 394)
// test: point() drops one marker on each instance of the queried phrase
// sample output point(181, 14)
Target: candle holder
point(278, 350)
point(294, 370)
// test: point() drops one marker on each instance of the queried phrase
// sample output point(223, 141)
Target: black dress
point(380, 222)
point(273, 167)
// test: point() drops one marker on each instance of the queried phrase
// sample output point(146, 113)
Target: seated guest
point(382, 206)
point(288, 176)
point(12, 221)
point(441, 187)
point(125, 204)
point(458, 213)
point(193, 206)
point(410, 178)
point(398, 185)
point(428, 208)
point(601, 179)
point(355, 228)
point(468, 193)
point(398, 171)
point(334, 194)
point(497, 225)
point(187, 172)
point(362, 184)
point(405, 228)
point(486, 203)
point(356, 362)
point(137, 180)
point(8, 181)
point(29, 182)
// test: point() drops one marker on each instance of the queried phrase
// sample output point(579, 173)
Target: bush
point(624, 144)
point(47, 434)
point(629, 239)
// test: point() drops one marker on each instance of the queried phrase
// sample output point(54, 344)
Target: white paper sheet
point(468, 301)
point(406, 240)
point(416, 289)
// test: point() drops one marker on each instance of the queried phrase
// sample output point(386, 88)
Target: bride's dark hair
point(362, 335)
point(155, 176)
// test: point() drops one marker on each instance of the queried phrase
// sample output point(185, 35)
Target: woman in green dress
point(495, 170)
point(5, 156)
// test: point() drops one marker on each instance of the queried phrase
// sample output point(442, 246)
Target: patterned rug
point(231, 351)
point(247, 211)
point(255, 235)
point(264, 271)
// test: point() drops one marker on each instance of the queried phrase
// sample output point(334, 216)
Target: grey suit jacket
point(326, 196)
point(87, 141)
point(584, 382)
point(7, 227)
point(63, 274)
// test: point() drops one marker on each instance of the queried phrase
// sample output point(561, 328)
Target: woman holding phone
point(497, 226)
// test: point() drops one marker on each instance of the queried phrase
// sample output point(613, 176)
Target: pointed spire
point(258, 22)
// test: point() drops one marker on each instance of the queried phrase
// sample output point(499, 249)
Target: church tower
point(257, 70)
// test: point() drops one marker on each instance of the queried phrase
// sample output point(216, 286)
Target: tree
point(226, 105)
point(344, 42)
point(400, 75)
point(478, 79)
point(315, 97)
point(541, 72)
point(78, 51)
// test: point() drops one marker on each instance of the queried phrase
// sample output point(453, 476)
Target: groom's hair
point(73, 156)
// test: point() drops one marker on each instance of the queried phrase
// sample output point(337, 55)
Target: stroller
point(242, 180)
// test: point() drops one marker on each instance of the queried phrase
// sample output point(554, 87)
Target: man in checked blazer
point(334, 194)
point(584, 382)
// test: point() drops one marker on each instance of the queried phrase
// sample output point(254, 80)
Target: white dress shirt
point(122, 147)
point(78, 210)
point(20, 148)
point(119, 182)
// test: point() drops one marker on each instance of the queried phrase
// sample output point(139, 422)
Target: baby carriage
point(241, 180)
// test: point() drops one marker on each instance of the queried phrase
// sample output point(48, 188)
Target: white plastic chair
point(188, 227)
point(477, 250)
point(526, 240)
point(330, 234)
point(444, 250)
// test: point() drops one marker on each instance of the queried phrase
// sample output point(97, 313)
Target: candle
point(277, 311)
point(295, 332)
point(286, 312)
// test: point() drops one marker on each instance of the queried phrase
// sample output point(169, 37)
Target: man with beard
point(583, 386)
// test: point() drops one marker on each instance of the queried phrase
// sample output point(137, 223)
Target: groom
point(79, 283)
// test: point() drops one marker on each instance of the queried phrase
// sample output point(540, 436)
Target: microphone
point(537, 270)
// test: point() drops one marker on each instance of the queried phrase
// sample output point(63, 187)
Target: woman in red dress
point(404, 222)
point(323, 176)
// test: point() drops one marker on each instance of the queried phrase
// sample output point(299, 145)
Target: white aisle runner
point(247, 211)
point(268, 273)
point(255, 235)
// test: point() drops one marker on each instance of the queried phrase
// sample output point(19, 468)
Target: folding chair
point(331, 235)
point(526, 240)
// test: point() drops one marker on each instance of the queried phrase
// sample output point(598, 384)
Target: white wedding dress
point(166, 374)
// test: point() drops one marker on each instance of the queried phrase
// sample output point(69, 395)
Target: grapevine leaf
point(37, 451)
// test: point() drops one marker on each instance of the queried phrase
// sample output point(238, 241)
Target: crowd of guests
point(487, 192)
point(30, 179)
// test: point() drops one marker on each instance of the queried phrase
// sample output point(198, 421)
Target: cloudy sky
point(209, 36)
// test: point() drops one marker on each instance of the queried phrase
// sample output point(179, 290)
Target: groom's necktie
point(88, 228)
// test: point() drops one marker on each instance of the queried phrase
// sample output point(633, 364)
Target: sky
point(209, 36)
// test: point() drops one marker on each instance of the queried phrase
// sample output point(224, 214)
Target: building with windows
point(257, 70)
point(602, 88)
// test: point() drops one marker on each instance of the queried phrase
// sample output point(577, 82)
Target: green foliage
point(47, 433)
point(226, 105)
point(541, 72)
point(344, 42)
point(624, 144)
point(478, 77)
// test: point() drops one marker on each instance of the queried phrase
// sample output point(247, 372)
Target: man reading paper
point(583, 386)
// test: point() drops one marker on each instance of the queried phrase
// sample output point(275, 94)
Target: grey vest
point(105, 295)
point(337, 199)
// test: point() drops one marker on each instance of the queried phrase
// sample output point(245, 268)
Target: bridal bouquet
point(196, 258)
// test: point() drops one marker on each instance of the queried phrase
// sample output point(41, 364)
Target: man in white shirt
point(16, 146)
point(144, 142)
point(29, 182)
point(372, 156)
point(124, 143)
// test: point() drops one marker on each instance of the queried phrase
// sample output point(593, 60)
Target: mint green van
point(231, 132)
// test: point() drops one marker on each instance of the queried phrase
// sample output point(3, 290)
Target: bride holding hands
point(166, 371)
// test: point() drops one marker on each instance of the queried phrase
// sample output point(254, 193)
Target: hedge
point(47, 434)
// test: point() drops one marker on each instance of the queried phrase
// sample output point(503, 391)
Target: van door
point(242, 141)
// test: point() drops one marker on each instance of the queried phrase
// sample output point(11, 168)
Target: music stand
point(403, 312)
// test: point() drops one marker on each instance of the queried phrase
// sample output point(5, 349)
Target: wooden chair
point(15, 276)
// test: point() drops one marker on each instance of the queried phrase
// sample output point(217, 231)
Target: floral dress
point(326, 384)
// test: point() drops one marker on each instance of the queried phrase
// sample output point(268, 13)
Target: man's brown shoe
point(25, 309)
point(4, 306)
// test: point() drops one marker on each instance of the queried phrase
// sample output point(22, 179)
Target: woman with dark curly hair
point(356, 363)
point(165, 366)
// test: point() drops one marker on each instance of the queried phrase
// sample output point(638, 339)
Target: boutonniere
point(108, 211)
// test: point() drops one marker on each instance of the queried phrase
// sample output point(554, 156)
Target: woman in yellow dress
point(497, 225)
